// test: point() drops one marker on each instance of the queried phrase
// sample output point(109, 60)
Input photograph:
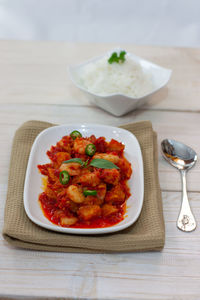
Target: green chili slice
point(90, 149)
point(74, 134)
point(90, 192)
point(64, 177)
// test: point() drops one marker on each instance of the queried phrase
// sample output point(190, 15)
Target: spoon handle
point(186, 220)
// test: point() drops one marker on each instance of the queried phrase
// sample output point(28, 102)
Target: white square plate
point(49, 137)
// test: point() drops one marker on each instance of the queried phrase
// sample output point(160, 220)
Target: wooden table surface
point(34, 84)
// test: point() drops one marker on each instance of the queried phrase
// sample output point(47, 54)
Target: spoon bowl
point(183, 158)
point(178, 154)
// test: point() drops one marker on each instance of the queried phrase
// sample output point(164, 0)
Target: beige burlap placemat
point(148, 233)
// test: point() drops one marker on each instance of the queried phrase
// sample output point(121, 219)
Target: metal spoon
point(183, 158)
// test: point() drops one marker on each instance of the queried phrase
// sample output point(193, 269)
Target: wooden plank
point(181, 126)
point(174, 272)
point(36, 72)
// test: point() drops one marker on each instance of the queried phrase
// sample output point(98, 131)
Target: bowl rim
point(137, 58)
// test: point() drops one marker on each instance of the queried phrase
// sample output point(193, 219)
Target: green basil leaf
point(113, 58)
point(76, 160)
point(103, 164)
point(122, 56)
point(117, 58)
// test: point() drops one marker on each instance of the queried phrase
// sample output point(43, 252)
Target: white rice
point(126, 78)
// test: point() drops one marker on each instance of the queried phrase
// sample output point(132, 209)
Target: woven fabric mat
point(148, 233)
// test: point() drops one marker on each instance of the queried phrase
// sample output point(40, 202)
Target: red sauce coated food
point(93, 197)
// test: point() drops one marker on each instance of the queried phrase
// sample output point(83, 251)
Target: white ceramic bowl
point(119, 104)
point(51, 136)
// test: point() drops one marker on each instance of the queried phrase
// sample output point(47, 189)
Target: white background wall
point(155, 22)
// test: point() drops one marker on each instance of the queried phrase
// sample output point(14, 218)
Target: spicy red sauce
point(66, 204)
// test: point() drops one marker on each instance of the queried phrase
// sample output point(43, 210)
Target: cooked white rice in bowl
point(127, 78)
